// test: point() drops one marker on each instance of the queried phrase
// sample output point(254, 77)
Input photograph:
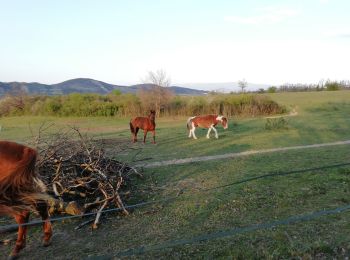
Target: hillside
point(83, 85)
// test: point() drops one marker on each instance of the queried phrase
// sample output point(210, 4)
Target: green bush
point(333, 86)
point(276, 123)
point(272, 90)
point(126, 105)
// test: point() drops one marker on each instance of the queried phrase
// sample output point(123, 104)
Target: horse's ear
point(152, 111)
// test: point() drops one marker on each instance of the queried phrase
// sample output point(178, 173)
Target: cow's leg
point(43, 210)
point(144, 135)
point(154, 136)
point(22, 233)
point(208, 134)
point(216, 132)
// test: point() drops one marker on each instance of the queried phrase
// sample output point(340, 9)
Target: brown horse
point(21, 191)
point(207, 121)
point(146, 124)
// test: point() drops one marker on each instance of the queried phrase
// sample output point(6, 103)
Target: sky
point(194, 41)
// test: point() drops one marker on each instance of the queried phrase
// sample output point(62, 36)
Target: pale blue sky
point(270, 42)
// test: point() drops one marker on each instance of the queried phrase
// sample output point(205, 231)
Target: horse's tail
point(22, 175)
point(189, 123)
point(132, 129)
point(22, 189)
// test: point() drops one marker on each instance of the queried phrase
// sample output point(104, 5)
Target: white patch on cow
point(219, 118)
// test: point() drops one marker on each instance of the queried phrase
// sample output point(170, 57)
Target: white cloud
point(267, 15)
point(337, 33)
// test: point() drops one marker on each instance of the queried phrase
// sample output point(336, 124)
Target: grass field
point(321, 117)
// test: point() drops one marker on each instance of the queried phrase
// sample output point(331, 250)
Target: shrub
point(125, 105)
point(272, 90)
point(276, 123)
point(332, 86)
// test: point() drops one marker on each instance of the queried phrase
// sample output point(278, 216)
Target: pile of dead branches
point(80, 176)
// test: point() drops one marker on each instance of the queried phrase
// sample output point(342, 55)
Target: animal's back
point(205, 121)
point(143, 123)
point(18, 184)
point(15, 157)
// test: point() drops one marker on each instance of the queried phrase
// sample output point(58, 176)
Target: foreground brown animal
point(146, 124)
point(207, 121)
point(21, 191)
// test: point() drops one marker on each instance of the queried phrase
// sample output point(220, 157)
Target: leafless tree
point(158, 95)
point(242, 84)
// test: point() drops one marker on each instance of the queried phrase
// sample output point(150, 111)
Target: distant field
point(321, 117)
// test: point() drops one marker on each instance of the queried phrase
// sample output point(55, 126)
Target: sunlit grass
point(322, 117)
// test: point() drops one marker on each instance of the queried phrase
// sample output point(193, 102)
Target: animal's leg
point(43, 210)
point(22, 233)
point(216, 133)
point(193, 134)
point(132, 130)
point(190, 133)
point(154, 136)
point(208, 134)
point(135, 135)
point(144, 135)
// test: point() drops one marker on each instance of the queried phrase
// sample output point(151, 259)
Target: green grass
point(322, 117)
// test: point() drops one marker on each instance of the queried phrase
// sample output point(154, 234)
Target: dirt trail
point(234, 155)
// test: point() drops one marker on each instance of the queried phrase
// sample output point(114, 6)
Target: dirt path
point(234, 155)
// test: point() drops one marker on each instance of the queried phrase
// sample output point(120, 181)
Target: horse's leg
point(133, 137)
point(208, 134)
point(154, 136)
point(144, 135)
point(43, 210)
point(135, 134)
point(216, 132)
point(193, 134)
point(132, 130)
point(22, 233)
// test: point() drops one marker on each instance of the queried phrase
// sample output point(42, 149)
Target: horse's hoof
point(46, 243)
point(12, 257)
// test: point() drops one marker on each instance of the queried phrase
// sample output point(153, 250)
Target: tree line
point(117, 104)
point(322, 85)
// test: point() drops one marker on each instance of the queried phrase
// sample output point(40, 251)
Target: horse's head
point(223, 121)
point(152, 114)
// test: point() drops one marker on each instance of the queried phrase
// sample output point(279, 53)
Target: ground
point(199, 207)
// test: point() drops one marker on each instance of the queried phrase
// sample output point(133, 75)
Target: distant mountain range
point(226, 87)
point(84, 85)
